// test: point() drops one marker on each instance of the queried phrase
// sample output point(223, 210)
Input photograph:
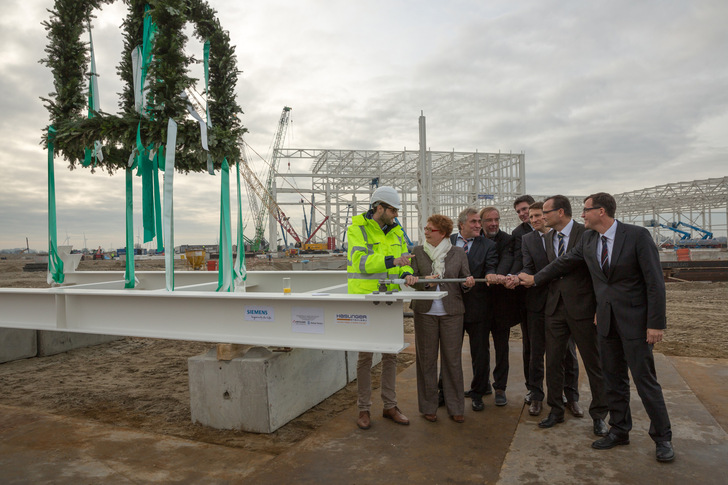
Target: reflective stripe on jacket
point(368, 248)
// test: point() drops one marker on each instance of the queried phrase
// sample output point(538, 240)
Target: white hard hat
point(387, 195)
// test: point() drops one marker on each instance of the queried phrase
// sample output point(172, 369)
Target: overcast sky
point(600, 95)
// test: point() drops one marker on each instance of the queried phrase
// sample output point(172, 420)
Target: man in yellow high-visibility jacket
point(377, 250)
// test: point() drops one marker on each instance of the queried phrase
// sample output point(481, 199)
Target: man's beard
point(491, 234)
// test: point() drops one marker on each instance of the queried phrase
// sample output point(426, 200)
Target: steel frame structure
point(702, 203)
point(343, 180)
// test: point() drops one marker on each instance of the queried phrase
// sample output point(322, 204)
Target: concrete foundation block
point(262, 390)
point(52, 342)
point(17, 344)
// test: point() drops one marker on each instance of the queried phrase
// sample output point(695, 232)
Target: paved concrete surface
point(498, 445)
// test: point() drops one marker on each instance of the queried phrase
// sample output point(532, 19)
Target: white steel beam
point(321, 315)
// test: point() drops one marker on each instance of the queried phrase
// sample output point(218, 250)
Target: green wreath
point(68, 58)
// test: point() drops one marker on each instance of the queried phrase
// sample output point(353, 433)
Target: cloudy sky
point(601, 95)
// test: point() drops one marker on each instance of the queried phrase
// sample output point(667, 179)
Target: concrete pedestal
point(17, 344)
point(52, 342)
point(262, 390)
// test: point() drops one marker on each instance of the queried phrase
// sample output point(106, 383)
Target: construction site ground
point(119, 413)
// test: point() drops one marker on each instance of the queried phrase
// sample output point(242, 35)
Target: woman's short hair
point(442, 223)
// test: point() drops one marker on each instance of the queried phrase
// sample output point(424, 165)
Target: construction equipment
point(706, 234)
point(269, 205)
point(195, 258)
point(683, 234)
point(268, 198)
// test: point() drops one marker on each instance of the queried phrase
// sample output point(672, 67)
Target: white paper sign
point(352, 318)
point(259, 313)
point(307, 319)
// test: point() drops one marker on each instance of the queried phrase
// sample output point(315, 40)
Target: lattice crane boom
point(269, 204)
point(267, 194)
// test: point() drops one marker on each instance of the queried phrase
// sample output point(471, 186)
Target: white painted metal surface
point(194, 311)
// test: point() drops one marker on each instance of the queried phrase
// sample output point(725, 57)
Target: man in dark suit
point(521, 206)
point(482, 260)
point(570, 309)
point(534, 259)
point(630, 289)
point(502, 304)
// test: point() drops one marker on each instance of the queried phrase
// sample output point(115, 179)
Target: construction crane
point(706, 234)
point(269, 205)
point(270, 183)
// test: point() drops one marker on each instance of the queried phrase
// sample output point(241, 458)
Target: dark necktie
point(605, 256)
point(466, 245)
point(561, 244)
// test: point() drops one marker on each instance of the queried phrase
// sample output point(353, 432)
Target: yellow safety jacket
point(372, 252)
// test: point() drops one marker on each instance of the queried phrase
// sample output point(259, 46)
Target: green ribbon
point(55, 264)
point(225, 244)
point(157, 200)
point(129, 279)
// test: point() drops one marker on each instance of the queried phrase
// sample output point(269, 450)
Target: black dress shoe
point(575, 409)
point(664, 451)
point(600, 427)
point(609, 441)
point(500, 398)
point(528, 398)
point(478, 404)
point(535, 408)
point(550, 420)
point(469, 394)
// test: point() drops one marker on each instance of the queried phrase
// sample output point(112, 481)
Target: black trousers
point(500, 333)
point(570, 363)
point(480, 356)
point(559, 327)
point(524, 332)
point(618, 355)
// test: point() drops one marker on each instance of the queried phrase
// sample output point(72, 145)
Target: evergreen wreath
point(68, 58)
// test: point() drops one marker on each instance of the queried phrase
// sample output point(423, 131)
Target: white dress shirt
point(566, 231)
point(609, 234)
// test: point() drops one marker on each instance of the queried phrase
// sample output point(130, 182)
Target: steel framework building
point(341, 181)
point(701, 203)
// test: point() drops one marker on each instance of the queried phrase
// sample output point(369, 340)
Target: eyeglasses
point(552, 210)
point(428, 229)
point(587, 209)
point(396, 211)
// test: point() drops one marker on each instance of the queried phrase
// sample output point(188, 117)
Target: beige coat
point(456, 266)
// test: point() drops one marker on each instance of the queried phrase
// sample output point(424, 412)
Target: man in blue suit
point(630, 291)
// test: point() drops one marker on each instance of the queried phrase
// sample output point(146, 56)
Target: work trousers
point(618, 355)
point(444, 334)
point(559, 327)
point(364, 380)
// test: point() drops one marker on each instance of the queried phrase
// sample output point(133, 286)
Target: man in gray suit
point(630, 289)
point(570, 308)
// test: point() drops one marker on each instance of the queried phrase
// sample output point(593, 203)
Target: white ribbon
point(169, 204)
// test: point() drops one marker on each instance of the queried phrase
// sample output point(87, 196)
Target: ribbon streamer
point(55, 264)
point(225, 268)
point(239, 268)
point(169, 204)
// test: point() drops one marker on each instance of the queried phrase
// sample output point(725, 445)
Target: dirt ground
point(142, 383)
